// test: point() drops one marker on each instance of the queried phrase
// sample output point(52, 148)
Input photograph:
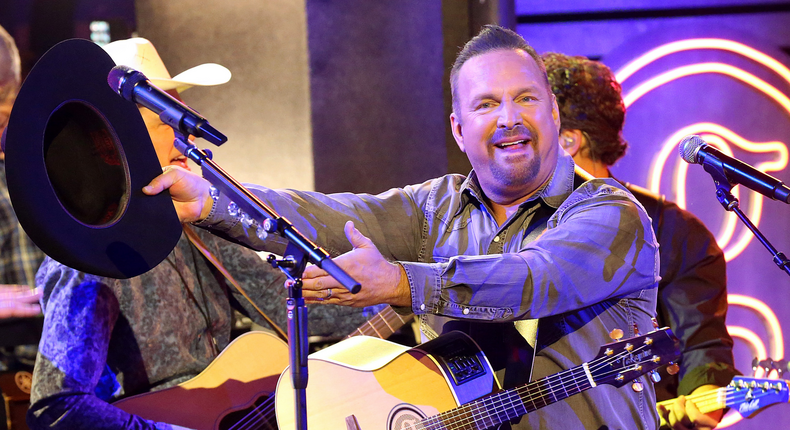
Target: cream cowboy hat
point(140, 54)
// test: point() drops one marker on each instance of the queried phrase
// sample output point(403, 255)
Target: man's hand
point(19, 301)
point(189, 191)
point(683, 414)
point(382, 281)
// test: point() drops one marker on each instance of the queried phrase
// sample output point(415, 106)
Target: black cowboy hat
point(77, 158)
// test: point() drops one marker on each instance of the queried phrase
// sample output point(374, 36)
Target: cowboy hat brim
point(203, 75)
point(77, 158)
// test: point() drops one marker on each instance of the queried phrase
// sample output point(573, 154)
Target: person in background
point(105, 339)
point(19, 256)
point(692, 293)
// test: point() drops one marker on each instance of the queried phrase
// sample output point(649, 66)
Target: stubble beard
point(515, 174)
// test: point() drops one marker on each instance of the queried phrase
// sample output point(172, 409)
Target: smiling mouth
point(511, 144)
point(180, 161)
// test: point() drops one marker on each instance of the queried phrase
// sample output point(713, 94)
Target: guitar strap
point(198, 243)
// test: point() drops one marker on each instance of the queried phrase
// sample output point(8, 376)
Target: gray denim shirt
point(582, 260)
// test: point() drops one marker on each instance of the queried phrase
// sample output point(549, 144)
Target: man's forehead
point(502, 66)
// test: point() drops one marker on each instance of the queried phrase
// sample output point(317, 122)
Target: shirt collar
point(553, 192)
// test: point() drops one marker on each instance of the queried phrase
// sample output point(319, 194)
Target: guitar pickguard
point(244, 374)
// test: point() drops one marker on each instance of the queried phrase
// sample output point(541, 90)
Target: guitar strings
point(510, 399)
point(500, 402)
point(712, 400)
point(469, 414)
point(701, 400)
point(261, 414)
point(374, 324)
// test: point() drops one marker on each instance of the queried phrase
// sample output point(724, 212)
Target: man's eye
point(485, 105)
point(529, 98)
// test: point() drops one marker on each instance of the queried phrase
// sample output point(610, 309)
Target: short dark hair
point(589, 99)
point(491, 38)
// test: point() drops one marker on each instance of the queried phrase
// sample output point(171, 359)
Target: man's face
point(507, 124)
point(162, 136)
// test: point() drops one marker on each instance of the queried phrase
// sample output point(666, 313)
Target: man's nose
point(509, 114)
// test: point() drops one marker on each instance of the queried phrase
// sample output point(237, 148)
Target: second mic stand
point(730, 203)
point(298, 253)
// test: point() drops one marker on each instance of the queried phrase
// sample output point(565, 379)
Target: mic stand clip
point(731, 204)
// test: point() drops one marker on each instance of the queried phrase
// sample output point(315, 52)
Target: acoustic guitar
point(371, 384)
point(236, 390)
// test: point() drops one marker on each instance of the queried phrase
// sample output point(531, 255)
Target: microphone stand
point(731, 204)
point(298, 253)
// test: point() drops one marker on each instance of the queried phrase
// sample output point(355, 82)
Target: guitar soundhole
point(260, 415)
point(404, 417)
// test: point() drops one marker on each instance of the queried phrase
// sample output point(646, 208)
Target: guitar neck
point(706, 402)
point(615, 364)
point(383, 324)
point(510, 404)
point(746, 395)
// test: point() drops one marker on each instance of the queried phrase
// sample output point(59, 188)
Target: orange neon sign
point(722, 138)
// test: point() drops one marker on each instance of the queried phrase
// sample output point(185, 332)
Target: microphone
point(695, 150)
point(135, 87)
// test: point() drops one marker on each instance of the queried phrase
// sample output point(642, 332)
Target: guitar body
point(385, 386)
point(370, 384)
point(241, 378)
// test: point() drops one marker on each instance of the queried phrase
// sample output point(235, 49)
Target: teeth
point(505, 145)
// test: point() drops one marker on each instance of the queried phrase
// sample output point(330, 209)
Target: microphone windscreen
point(116, 76)
point(123, 79)
point(689, 148)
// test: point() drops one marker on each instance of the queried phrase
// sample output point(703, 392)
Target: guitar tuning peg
point(637, 386)
point(673, 369)
point(654, 376)
point(616, 334)
point(636, 330)
point(655, 323)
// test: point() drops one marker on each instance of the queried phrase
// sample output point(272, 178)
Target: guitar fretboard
point(383, 324)
point(609, 367)
point(707, 402)
point(510, 404)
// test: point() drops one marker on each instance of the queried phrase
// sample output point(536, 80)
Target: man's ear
point(555, 112)
point(455, 125)
point(571, 141)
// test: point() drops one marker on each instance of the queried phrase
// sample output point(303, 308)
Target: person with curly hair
point(692, 293)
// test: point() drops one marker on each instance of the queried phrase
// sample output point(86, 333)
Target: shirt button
point(466, 311)
point(422, 307)
point(496, 238)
